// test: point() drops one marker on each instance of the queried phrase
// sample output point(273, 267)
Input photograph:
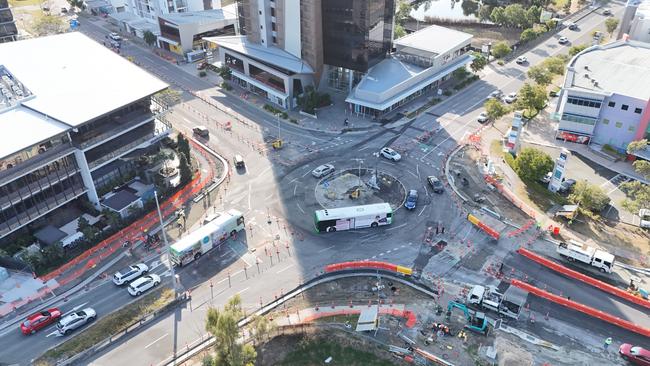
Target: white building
point(636, 21)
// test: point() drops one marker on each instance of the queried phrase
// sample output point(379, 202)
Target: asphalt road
point(270, 258)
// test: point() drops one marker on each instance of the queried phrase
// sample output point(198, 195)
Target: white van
point(644, 214)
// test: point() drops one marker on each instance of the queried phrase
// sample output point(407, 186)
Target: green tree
point(113, 218)
point(84, 227)
point(642, 167)
point(574, 50)
point(469, 7)
point(79, 4)
point(403, 12)
point(532, 15)
point(527, 35)
point(610, 25)
point(540, 75)
point(637, 195)
point(567, 6)
point(48, 24)
point(398, 31)
point(501, 49)
point(495, 109)
point(222, 324)
point(589, 196)
point(185, 170)
point(532, 97)
point(183, 146)
point(554, 65)
point(478, 63)
point(460, 73)
point(53, 253)
point(261, 328)
point(225, 72)
point(484, 12)
point(637, 146)
point(550, 25)
point(498, 16)
point(516, 16)
point(149, 37)
point(531, 164)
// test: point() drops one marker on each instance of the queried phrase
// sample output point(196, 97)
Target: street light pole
point(164, 235)
point(277, 115)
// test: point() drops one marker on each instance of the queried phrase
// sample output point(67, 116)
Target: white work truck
point(509, 303)
point(575, 251)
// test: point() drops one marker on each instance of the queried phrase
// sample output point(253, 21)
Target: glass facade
point(357, 33)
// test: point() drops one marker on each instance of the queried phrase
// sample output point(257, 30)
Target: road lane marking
point(242, 291)
point(326, 249)
point(249, 195)
point(413, 174)
point(294, 189)
point(284, 269)
point(293, 180)
point(397, 227)
point(417, 170)
point(300, 208)
point(422, 210)
point(307, 172)
point(152, 343)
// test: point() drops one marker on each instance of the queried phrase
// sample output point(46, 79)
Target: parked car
point(563, 40)
point(201, 131)
point(635, 354)
point(522, 60)
point(573, 26)
point(143, 284)
point(411, 199)
point(390, 154)
point(497, 94)
point(435, 184)
point(483, 117)
point(510, 98)
point(547, 178)
point(202, 65)
point(239, 161)
point(40, 320)
point(115, 37)
point(323, 170)
point(75, 320)
point(130, 273)
point(566, 185)
point(607, 12)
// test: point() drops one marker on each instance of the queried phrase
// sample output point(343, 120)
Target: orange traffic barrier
point(488, 230)
point(582, 308)
point(368, 264)
point(584, 278)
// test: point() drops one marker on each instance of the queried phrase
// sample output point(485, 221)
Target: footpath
point(75, 275)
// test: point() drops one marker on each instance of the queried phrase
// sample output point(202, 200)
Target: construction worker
point(608, 341)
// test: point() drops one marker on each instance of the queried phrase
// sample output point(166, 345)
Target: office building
point(605, 98)
point(635, 22)
point(8, 30)
point(71, 123)
point(184, 32)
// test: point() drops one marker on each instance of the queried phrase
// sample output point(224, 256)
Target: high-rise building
point(8, 30)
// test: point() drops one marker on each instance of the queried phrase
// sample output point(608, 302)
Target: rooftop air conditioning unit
point(587, 76)
point(595, 83)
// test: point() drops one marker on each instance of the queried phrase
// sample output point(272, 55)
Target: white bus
point(208, 236)
point(356, 217)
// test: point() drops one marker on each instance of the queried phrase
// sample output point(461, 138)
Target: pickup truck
point(575, 251)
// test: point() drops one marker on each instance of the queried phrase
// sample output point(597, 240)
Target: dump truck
point(575, 251)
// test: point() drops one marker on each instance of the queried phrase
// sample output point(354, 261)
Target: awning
point(167, 40)
point(260, 85)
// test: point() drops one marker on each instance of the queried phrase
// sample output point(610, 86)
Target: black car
point(435, 184)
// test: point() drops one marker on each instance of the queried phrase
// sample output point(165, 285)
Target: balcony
point(112, 128)
point(34, 163)
point(35, 187)
point(51, 203)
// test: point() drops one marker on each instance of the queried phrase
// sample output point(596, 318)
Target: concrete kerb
point(204, 341)
point(448, 176)
point(223, 161)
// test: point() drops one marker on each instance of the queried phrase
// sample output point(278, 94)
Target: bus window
point(240, 221)
point(323, 225)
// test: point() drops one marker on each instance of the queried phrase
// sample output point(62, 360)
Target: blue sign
point(206, 240)
point(74, 24)
point(326, 184)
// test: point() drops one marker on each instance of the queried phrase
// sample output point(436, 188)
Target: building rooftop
point(621, 67)
point(272, 55)
point(78, 80)
point(14, 124)
point(434, 39)
point(228, 12)
point(120, 200)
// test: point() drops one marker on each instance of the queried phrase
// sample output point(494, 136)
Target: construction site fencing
point(369, 264)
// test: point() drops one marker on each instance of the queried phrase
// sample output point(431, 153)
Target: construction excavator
point(476, 321)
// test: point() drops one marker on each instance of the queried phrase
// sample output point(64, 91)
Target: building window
point(275, 40)
point(637, 110)
point(625, 107)
point(611, 104)
point(578, 119)
point(584, 102)
point(260, 12)
point(631, 128)
point(619, 124)
point(273, 26)
point(261, 27)
point(272, 12)
point(605, 121)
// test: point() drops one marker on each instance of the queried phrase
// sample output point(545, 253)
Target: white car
point(390, 154)
point(75, 320)
point(495, 94)
point(130, 273)
point(143, 284)
point(323, 170)
point(483, 117)
point(522, 60)
point(563, 40)
point(510, 98)
point(115, 37)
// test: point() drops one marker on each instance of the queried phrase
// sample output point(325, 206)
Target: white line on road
point(365, 147)
point(152, 343)
point(285, 268)
point(264, 171)
point(413, 174)
point(417, 170)
point(293, 180)
point(422, 210)
point(236, 273)
point(300, 208)
point(249, 195)
point(294, 189)
point(326, 249)
point(307, 172)
point(242, 291)
point(396, 227)
point(224, 254)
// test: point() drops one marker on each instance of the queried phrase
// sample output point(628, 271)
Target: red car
point(40, 320)
point(635, 354)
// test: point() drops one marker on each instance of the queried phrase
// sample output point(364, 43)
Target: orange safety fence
point(581, 308)
point(488, 230)
point(368, 264)
point(586, 279)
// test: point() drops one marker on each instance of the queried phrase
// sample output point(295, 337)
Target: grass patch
point(111, 324)
point(352, 319)
point(314, 352)
point(19, 3)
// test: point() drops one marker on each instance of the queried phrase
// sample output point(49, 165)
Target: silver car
point(130, 273)
point(323, 170)
point(75, 320)
point(143, 284)
point(390, 154)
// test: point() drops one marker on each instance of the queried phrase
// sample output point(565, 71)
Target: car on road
point(563, 40)
point(547, 178)
point(634, 354)
point(411, 199)
point(64, 10)
point(390, 154)
point(115, 37)
point(497, 94)
point(143, 284)
point(323, 170)
point(521, 60)
point(201, 131)
point(239, 162)
point(75, 320)
point(435, 184)
point(483, 117)
point(572, 26)
point(130, 273)
point(567, 185)
point(40, 320)
point(607, 12)
point(510, 98)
